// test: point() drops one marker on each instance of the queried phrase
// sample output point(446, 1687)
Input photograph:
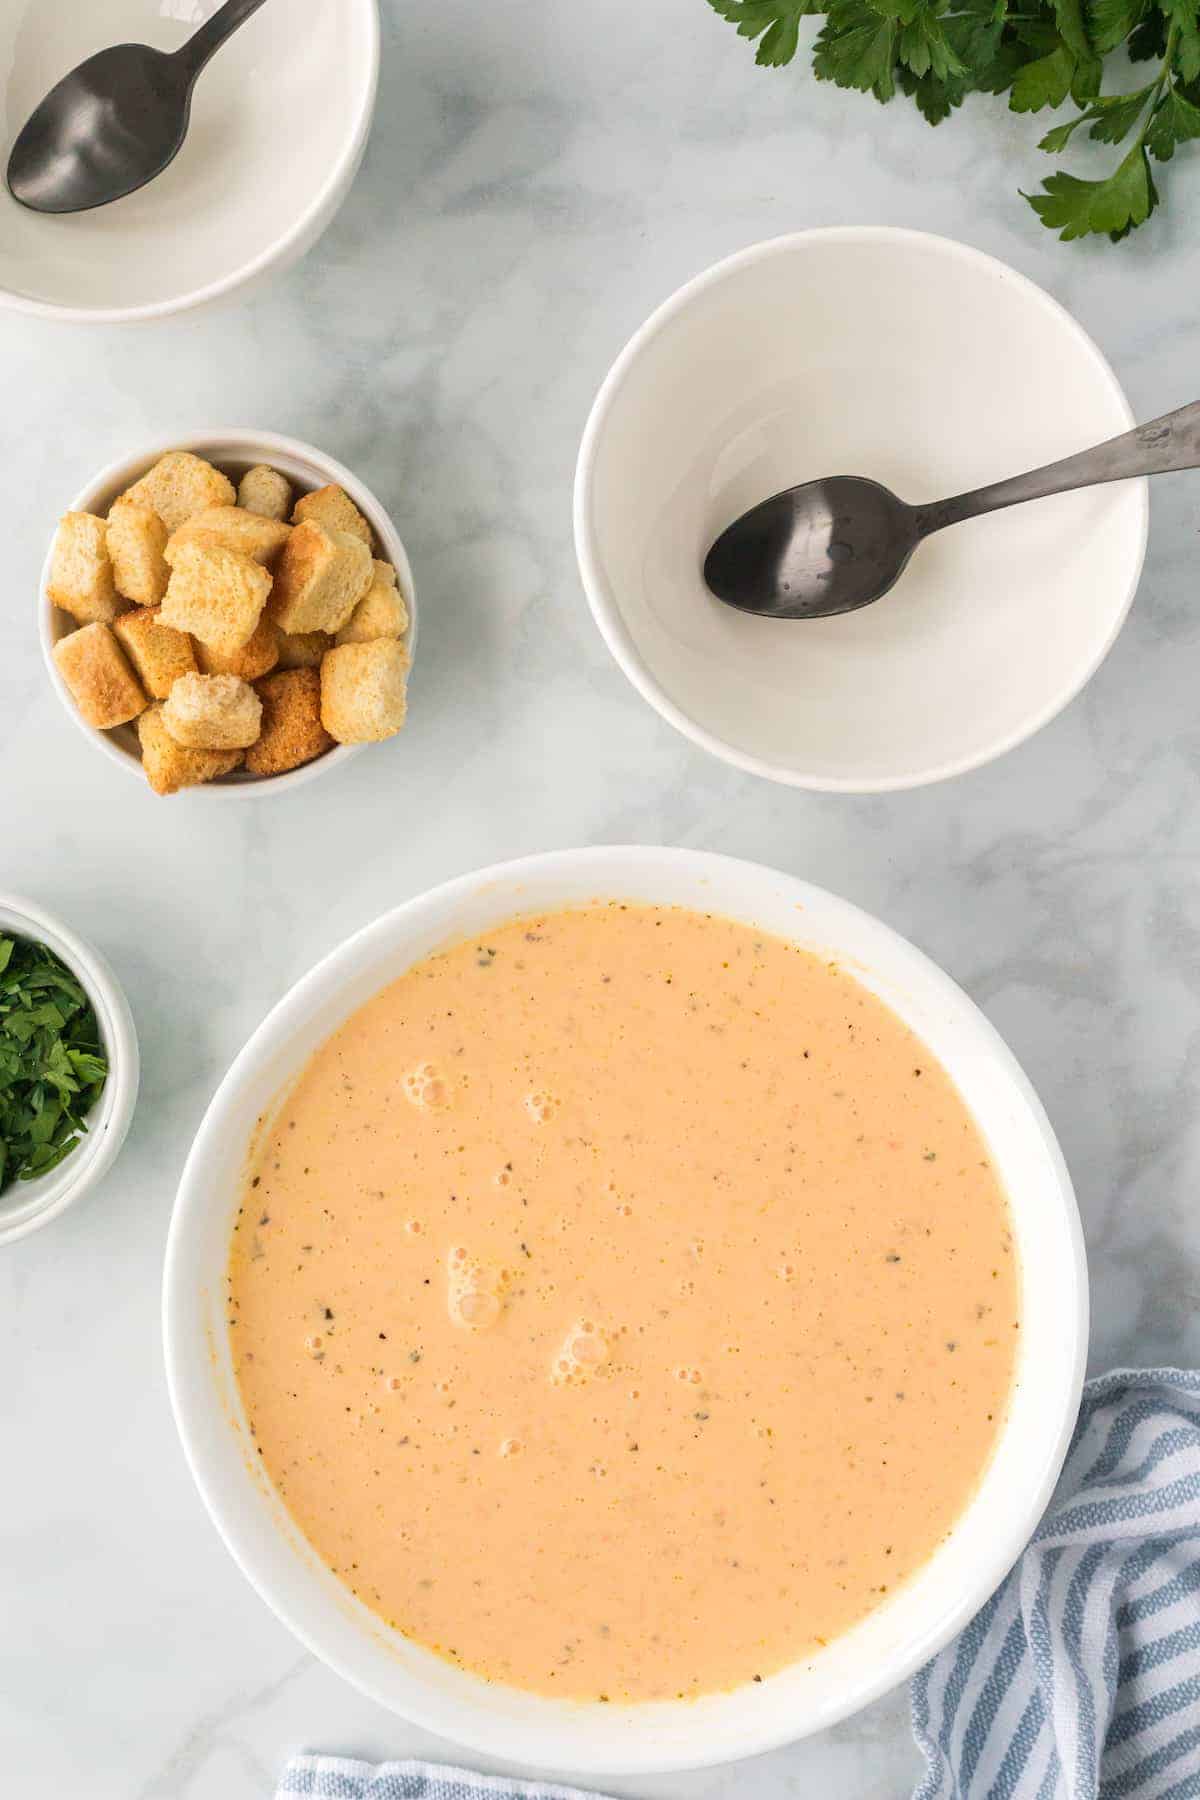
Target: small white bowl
point(25, 1206)
point(279, 123)
point(234, 449)
point(857, 351)
point(918, 1618)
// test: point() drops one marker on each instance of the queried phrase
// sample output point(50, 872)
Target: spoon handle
point(212, 34)
point(1172, 442)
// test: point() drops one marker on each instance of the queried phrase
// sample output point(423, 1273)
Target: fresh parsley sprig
point(1041, 53)
point(52, 1062)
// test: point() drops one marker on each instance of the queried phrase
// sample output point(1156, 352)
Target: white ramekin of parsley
point(68, 1067)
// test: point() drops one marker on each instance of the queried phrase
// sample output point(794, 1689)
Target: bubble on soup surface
point(426, 1087)
point(541, 1106)
point(473, 1292)
point(584, 1350)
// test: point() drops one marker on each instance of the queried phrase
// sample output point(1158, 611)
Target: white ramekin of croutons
point(230, 613)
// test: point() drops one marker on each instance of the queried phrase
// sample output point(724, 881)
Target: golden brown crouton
point(102, 684)
point(381, 613)
point(292, 732)
point(266, 492)
point(81, 576)
point(363, 691)
point(248, 532)
point(303, 649)
point(169, 766)
point(136, 538)
point(256, 657)
point(321, 577)
point(159, 653)
point(216, 594)
point(333, 508)
point(212, 712)
point(179, 485)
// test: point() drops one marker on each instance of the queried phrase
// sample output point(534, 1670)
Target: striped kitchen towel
point(341, 1778)
point(1080, 1678)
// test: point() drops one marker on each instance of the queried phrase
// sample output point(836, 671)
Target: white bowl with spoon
point(917, 1618)
point(932, 369)
point(278, 127)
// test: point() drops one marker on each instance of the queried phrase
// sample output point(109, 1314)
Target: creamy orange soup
point(623, 1303)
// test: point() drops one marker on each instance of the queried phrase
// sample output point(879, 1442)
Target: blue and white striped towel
point(1080, 1678)
point(340, 1778)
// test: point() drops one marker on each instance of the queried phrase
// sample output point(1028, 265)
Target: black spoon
point(832, 546)
point(115, 122)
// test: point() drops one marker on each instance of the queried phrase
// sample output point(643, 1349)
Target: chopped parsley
point(52, 1062)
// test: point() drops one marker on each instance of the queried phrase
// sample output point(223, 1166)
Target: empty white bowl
point(857, 351)
point(27, 1205)
point(917, 1618)
point(234, 450)
point(279, 122)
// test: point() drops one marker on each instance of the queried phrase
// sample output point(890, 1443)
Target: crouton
point(136, 538)
point(158, 652)
point(292, 732)
point(169, 766)
point(216, 594)
point(81, 576)
point(333, 508)
point(102, 684)
point(321, 578)
point(258, 656)
point(266, 492)
point(381, 613)
point(212, 712)
point(363, 691)
point(179, 485)
point(303, 649)
point(248, 532)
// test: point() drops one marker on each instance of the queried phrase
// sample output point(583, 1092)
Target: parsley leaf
point(52, 1062)
point(1074, 208)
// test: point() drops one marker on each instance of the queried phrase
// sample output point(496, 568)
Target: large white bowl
point(857, 351)
point(279, 123)
point(878, 1653)
point(234, 449)
point(26, 1206)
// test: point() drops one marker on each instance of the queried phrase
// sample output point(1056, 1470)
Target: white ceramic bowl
point(234, 449)
point(857, 351)
point(27, 1205)
point(878, 1653)
point(279, 123)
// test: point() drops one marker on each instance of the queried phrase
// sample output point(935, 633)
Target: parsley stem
point(1162, 80)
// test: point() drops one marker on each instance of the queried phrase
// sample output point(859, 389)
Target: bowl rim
point(195, 1406)
point(215, 440)
point(325, 197)
point(598, 592)
point(109, 1121)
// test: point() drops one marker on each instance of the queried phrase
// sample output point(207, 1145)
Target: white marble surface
point(541, 173)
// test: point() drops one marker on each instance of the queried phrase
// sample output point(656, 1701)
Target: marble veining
point(540, 175)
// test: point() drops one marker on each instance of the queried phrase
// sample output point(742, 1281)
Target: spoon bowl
point(115, 121)
point(103, 131)
point(822, 548)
